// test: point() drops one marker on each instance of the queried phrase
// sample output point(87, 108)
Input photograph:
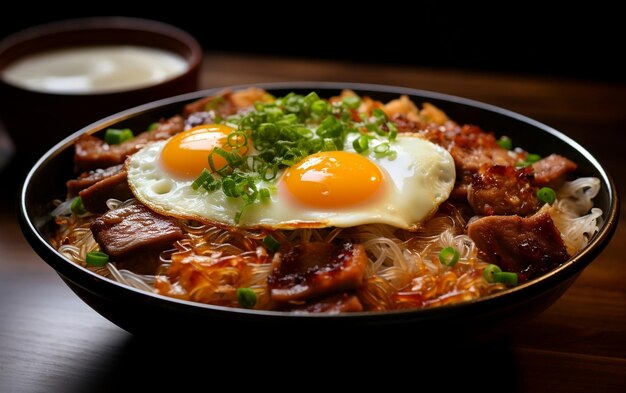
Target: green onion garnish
point(237, 139)
point(505, 142)
point(246, 297)
point(506, 278)
point(114, 136)
point(449, 256)
point(153, 126)
point(352, 102)
point(204, 178)
point(77, 207)
point(381, 150)
point(361, 144)
point(379, 116)
point(393, 131)
point(532, 158)
point(489, 272)
point(319, 107)
point(96, 258)
point(546, 195)
point(271, 243)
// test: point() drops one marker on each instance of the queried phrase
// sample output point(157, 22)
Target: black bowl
point(143, 313)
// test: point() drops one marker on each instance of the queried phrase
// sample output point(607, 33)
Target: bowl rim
point(523, 292)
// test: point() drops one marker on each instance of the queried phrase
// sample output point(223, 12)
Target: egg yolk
point(187, 153)
point(333, 179)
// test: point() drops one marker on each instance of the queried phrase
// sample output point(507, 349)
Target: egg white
point(419, 179)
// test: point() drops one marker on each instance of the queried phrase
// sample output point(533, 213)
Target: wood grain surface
point(52, 342)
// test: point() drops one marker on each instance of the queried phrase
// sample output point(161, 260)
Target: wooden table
point(51, 342)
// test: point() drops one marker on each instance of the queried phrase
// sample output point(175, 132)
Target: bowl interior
point(47, 179)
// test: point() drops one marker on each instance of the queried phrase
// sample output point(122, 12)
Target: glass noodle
point(404, 270)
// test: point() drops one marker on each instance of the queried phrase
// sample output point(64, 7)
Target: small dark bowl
point(140, 312)
point(36, 119)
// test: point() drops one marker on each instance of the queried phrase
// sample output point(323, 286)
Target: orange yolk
point(333, 179)
point(187, 153)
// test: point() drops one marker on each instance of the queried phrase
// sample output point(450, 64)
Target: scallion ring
point(271, 243)
point(449, 256)
point(546, 195)
point(489, 272)
point(352, 102)
point(96, 258)
point(532, 158)
point(506, 278)
point(361, 144)
point(246, 297)
point(237, 139)
point(505, 142)
point(114, 136)
point(77, 207)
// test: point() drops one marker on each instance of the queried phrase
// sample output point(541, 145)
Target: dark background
point(579, 42)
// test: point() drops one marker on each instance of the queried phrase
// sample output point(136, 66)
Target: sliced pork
point(528, 246)
point(553, 170)
point(92, 152)
point(503, 190)
point(116, 186)
point(88, 179)
point(134, 235)
point(314, 270)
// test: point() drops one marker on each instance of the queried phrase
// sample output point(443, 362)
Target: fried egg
point(329, 188)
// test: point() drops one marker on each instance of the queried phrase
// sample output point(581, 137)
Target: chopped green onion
point(546, 195)
point(319, 107)
point(379, 116)
point(246, 297)
point(96, 258)
point(264, 194)
point(382, 148)
point(393, 131)
point(77, 207)
point(268, 132)
point(237, 139)
point(490, 271)
point(449, 256)
point(114, 136)
point(271, 243)
point(505, 142)
point(304, 132)
point(374, 128)
point(328, 145)
point(532, 158)
point(507, 278)
point(522, 164)
point(361, 144)
point(153, 126)
point(310, 98)
point(352, 102)
point(269, 172)
point(205, 175)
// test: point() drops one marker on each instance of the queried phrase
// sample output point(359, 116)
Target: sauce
point(97, 69)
